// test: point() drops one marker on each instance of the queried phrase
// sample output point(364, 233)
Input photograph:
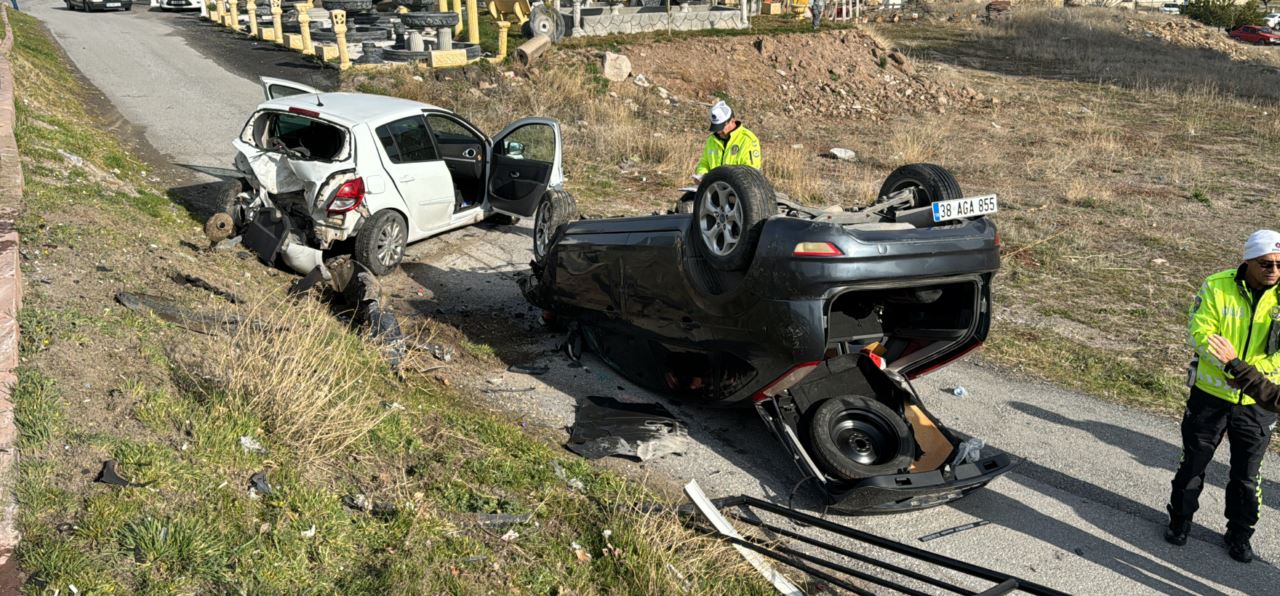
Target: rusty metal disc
point(219, 227)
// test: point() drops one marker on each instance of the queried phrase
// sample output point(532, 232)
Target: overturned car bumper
point(888, 493)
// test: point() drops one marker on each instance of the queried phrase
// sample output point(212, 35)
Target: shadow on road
point(1145, 449)
point(499, 317)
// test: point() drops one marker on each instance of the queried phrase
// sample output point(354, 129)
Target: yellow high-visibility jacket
point(741, 149)
point(1225, 306)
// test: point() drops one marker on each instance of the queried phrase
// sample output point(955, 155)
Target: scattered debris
point(251, 444)
point(641, 81)
point(75, 160)
point(359, 502)
point(169, 310)
point(957, 391)
point(510, 535)
point(783, 585)
point(259, 485)
point(605, 426)
point(616, 67)
point(311, 533)
point(843, 154)
point(581, 553)
point(1159, 262)
point(970, 450)
point(500, 520)
point(438, 351)
point(194, 281)
point(529, 370)
point(108, 475)
point(573, 483)
point(227, 244)
point(950, 531)
point(522, 390)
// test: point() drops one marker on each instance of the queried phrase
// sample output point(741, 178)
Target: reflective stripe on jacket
point(741, 149)
point(1224, 305)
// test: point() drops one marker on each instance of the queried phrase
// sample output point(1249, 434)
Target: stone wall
point(611, 20)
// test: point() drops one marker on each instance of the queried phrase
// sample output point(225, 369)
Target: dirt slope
point(835, 75)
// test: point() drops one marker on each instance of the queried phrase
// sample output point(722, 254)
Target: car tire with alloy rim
point(557, 208)
point(933, 183)
point(380, 244)
point(730, 208)
point(857, 437)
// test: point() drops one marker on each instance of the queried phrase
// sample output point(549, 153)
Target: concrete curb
point(10, 302)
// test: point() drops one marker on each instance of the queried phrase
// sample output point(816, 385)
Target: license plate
point(113, 5)
point(966, 207)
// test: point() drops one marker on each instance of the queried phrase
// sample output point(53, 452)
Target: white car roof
point(349, 109)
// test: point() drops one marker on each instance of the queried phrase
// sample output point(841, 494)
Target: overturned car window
point(299, 136)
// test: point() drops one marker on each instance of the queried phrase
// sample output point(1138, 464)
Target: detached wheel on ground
point(557, 208)
point(380, 245)
point(857, 437)
point(730, 207)
point(933, 183)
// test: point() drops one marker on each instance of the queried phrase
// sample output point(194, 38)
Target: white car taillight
point(348, 197)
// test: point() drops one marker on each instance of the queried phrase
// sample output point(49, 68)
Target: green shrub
point(1226, 13)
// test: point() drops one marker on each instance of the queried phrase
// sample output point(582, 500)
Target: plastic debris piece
point(491, 520)
point(968, 451)
point(258, 483)
point(108, 475)
point(843, 154)
point(529, 370)
point(358, 501)
point(573, 483)
point(309, 533)
point(580, 553)
point(510, 535)
point(950, 531)
point(722, 525)
point(957, 391)
point(605, 426)
point(251, 444)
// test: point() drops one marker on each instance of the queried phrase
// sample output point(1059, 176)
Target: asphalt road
point(1082, 513)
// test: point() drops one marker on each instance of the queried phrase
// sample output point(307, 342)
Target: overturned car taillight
point(788, 379)
point(816, 249)
point(348, 197)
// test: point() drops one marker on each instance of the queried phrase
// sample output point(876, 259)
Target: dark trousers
point(1248, 428)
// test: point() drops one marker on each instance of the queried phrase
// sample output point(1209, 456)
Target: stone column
point(275, 22)
point(339, 18)
point(235, 16)
point(304, 19)
point(473, 22)
point(252, 7)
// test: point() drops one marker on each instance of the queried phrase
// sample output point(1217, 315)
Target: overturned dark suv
point(819, 317)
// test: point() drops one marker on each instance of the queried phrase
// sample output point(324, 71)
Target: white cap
point(1261, 242)
point(721, 113)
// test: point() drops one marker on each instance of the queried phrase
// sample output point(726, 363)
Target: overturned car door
point(277, 88)
point(524, 161)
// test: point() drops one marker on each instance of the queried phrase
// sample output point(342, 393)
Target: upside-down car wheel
point(857, 437)
point(729, 209)
point(932, 183)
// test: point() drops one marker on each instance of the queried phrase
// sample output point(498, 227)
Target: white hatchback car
point(320, 169)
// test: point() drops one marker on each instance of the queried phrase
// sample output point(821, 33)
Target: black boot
point(1238, 546)
point(1179, 528)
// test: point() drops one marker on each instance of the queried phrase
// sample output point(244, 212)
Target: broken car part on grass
point(876, 560)
point(604, 426)
point(818, 317)
point(109, 475)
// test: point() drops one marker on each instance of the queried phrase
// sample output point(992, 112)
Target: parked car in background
point(180, 4)
point(1255, 34)
point(1271, 20)
point(1171, 8)
point(97, 5)
point(369, 173)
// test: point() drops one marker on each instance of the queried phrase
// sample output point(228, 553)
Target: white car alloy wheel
point(721, 219)
point(542, 229)
point(389, 247)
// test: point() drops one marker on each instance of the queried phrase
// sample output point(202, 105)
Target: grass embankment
point(1129, 168)
point(171, 406)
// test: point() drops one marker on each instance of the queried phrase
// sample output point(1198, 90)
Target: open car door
point(277, 88)
point(524, 162)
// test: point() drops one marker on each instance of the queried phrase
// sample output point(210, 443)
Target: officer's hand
point(1221, 348)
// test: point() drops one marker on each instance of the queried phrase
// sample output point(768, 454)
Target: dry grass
point(302, 373)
